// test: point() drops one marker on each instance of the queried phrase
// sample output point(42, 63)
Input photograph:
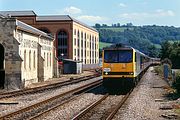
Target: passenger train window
point(118, 56)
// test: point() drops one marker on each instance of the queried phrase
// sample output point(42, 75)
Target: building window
point(34, 62)
point(85, 47)
point(78, 52)
point(81, 39)
point(81, 53)
point(74, 31)
point(47, 59)
point(62, 44)
point(90, 49)
point(44, 59)
point(50, 59)
point(74, 52)
point(74, 41)
point(78, 39)
point(25, 59)
point(29, 59)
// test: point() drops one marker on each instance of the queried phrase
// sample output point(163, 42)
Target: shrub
point(177, 82)
point(158, 70)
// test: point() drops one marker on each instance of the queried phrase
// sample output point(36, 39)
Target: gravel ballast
point(26, 100)
point(142, 103)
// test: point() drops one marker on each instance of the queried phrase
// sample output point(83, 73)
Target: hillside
point(144, 38)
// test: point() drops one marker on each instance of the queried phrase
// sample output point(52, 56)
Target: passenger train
point(123, 66)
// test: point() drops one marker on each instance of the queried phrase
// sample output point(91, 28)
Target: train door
point(2, 71)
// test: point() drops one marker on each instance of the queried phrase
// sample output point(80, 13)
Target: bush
point(167, 61)
point(158, 70)
point(177, 82)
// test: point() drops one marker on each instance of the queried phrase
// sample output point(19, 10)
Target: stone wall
point(28, 57)
point(12, 64)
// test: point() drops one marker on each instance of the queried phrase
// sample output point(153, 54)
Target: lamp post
point(62, 54)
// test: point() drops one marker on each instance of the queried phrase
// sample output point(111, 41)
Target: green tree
point(97, 25)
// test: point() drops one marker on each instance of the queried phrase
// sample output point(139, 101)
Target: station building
point(73, 39)
point(27, 55)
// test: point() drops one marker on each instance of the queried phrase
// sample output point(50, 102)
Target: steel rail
point(36, 105)
point(45, 87)
point(111, 115)
point(91, 106)
point(61, 104)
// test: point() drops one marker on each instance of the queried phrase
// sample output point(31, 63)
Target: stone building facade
point(73, 39)
point(27, 55)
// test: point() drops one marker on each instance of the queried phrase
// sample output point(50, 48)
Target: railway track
point(44, 106)
point(45, 87)
point(95, 110)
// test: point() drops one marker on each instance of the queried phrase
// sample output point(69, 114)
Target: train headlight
point(131, 73)
point(107, 69)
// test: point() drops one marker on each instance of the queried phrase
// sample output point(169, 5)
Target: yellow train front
point(123, 66)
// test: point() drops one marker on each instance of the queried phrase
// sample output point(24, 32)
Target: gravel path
point(26, 100)
point(142, 105)
point(72, 108)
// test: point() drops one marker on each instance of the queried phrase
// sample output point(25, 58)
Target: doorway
point(2, 70)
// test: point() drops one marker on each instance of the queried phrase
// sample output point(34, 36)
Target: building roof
point(53, 18)
point(1, 16)
point(62, 18)
point(17, 13)
point(43, 18)
point(28, 28)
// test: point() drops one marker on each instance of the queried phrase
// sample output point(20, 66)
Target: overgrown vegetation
point(159, 71)
point(176, 84)
point(171, 51)
point(173, 78)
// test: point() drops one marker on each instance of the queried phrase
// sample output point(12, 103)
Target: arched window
point(29, 59)
point(25, 59)
point(62, 44)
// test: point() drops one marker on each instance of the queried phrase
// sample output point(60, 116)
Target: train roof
point(123, 47)
point(118, 47)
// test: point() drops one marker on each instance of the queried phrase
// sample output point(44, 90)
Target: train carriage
point(123, 66)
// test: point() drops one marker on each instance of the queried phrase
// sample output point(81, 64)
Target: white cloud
point(72, 10)
point(122, 5)
point(155, 14)
point(162, 12)
point(91, 20)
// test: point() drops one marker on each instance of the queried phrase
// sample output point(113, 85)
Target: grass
point(157, 46)
point(103, 44)
point(177, 111)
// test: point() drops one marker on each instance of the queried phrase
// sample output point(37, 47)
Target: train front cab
point(119, 74)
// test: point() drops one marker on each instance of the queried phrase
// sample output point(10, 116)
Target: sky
point(137, 12)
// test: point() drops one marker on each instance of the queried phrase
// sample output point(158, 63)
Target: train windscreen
point(117, 56)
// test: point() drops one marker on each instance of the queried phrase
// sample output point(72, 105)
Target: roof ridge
point(40, 32)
